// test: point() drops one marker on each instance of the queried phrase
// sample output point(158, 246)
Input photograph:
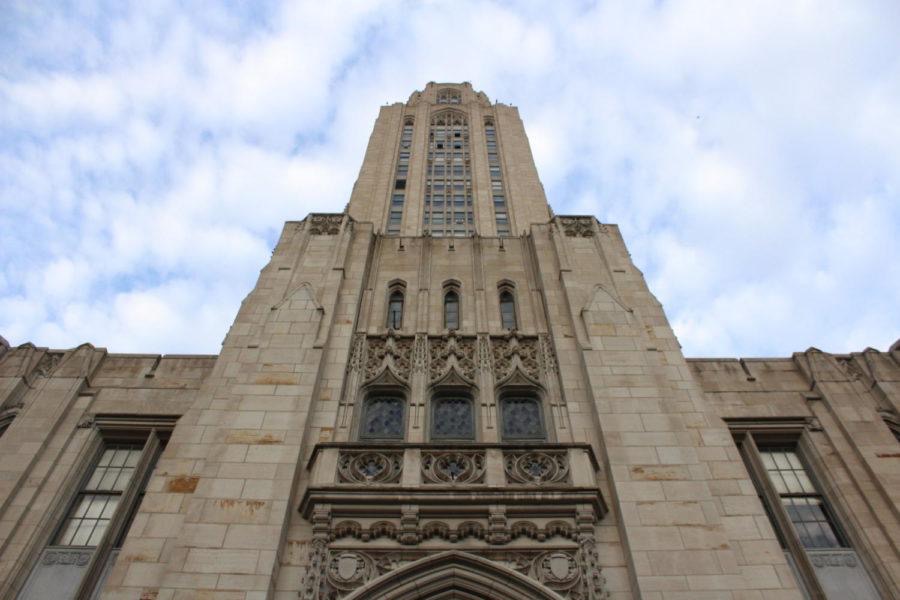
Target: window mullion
point(805, 568)
point(119, 519)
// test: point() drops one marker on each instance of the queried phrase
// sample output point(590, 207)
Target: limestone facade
point(446, 391)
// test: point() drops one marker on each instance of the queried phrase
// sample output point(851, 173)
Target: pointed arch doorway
point(453, 575)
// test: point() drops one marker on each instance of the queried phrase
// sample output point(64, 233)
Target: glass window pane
point(382, 418)
point(453, 418)
point(521, 418)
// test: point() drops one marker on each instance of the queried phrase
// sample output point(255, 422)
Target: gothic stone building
point(447, 391)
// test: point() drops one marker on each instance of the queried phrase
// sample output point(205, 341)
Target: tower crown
point(448, 163)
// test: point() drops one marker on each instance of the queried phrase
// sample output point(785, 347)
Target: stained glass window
point(452, 418)
point(395, 310)
point(98, 499)
point(521, 418)
point(451, 310)
point(382, 418)
point(507, 310)
point(800, 498)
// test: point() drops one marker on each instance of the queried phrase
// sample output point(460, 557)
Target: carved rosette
point(453, 467)
point(389, 351)
point(449, 352)
point(324, 224)
point(513, 351)
point(537, 468)
point(577, 226)
point(370, 467)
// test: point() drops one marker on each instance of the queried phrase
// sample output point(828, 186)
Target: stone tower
point(448, 392)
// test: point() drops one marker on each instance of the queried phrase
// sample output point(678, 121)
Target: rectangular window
point(100, 512)
point(806, 526)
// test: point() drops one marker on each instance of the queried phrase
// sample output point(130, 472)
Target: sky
point(750, 152)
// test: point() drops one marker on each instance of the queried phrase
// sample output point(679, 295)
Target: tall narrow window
point(82, 551)
point(451, 310)
point(383, 417)
point(522, 418)
point(395, 310)
point(813, 541)
point(395, 216)
point(501, 214)
point(803, 503)
point(452, 417)
point(448, 183)
point(508, 310)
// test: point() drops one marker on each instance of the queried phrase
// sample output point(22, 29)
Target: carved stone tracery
point(537, 468)
point(457, 467)
point(370, 467)
point(389, 351)
point(513, 351)
point(452, 351)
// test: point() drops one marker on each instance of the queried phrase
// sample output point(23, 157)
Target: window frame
point(748, 438)
point(507, 290)
point(395, 290)
point(153, 431)
point(444, 304)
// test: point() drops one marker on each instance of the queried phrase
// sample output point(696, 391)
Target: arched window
point(451, 310)
point(522, 418)
point(383, 417)
point(395, 310)
point(508, 310)
point(452, 417)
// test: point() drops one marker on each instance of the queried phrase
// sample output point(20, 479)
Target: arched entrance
point(453, 575)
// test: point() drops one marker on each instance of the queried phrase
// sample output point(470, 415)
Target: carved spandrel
point(452, 351)
point(514, 350)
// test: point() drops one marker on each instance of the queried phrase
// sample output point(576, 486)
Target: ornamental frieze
point(577, 226)
point(324, 224)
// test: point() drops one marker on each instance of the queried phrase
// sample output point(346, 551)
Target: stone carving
point(593, 583)
point(78, 558)
point(420, 354)
point(48, 363)
point(370, 467)
point(577, 226)
point(513, 350)
point(452, 351)
point(389, 351)
point(836, 559)
point(349, 570)
point(547, 354)
point(356, 352)
point(537, 468)
point(459, 467)
point(315, 583)
point(324, 224)
point(341, 571)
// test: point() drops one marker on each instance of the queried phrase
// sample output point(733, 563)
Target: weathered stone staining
point(446, 391)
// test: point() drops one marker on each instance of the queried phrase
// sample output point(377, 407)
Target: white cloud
point(751, 154)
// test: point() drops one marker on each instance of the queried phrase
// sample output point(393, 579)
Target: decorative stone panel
point(513, 350)
point(452, 351)
point(324, 224)
point(577, 226)
point(462, 467)
point(367, 466)
point(389, 351)
point(537, 468)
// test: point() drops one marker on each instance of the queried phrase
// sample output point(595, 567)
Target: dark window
point(507, 310)
point(395, 310)
point(97, 500)
point(521, 418)
point(400, 184)
point(383, 418)
point(802, 502)
point(451, 310)
point(452, 417)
